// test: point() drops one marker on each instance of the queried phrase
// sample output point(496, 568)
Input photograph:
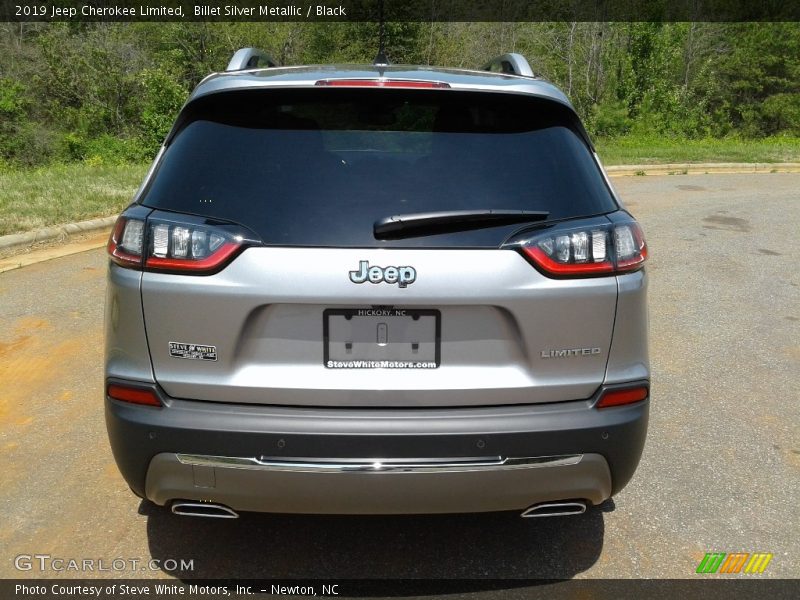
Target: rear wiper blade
point(432, 223)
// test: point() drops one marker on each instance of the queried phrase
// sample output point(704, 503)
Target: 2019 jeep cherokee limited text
point(376, 289)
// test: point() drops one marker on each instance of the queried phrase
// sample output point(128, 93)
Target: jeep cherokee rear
point(376, 290)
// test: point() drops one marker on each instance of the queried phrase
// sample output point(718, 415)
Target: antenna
point(380, 59)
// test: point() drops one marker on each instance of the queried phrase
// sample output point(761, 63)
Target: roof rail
point(250, 58)
point(512, 64)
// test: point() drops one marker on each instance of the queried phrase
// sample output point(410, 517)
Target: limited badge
point(192, 351)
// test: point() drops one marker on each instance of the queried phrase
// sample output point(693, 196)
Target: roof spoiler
point(250, 58)
point(511, 64)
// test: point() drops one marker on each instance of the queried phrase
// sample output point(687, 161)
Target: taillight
point(126, 242)
point(189, 248)
point(619, 397)
point(133, 395)
point(192, 246)
point(585, 251)
point(384, 83)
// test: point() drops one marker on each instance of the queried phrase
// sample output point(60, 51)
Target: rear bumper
point(364, 492)
point(299, 460)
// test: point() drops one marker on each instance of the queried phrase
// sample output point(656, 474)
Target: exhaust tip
point(555, 509)
point(209, 510)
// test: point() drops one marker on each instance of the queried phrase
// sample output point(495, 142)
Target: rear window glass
point(318, 167)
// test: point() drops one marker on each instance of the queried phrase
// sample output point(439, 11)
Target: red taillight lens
point(588, 251)
point(192, 248)
point(619, 397)
point(133, 395)
point(209, 263)
point(384, 83)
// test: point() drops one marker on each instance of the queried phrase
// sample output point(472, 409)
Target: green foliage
point(111, 150)
point(22, 141)
point(162, 98)
point(757, 78)
point(781, 113)
point(610, 119)
point(104, 149)
point(13, 103)
point(12, 116)
point(107, 93)
point(73, 146)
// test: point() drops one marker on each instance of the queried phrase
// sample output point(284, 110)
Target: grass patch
point(59, 194)
point(646, 150)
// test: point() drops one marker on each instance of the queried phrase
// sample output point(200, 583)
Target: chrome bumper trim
point(378, 465)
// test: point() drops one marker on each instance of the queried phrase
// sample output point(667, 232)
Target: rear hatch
point(320, 310)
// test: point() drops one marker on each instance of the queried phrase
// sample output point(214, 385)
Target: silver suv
point(376, 289)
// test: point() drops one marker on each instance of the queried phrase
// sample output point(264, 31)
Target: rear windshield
point(318, 167)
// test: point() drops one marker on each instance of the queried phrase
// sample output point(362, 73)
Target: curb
point(701, 169)
point(17, 241)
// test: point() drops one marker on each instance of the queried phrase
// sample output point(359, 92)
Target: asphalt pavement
point(720, 471)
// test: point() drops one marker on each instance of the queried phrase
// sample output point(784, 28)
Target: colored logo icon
point(735, 562)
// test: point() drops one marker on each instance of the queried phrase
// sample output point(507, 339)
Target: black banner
point(745, 587)
point(399, 10)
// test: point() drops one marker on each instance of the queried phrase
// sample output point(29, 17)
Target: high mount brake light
point(383, 83)
point(588, 251)
point(176, 247)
